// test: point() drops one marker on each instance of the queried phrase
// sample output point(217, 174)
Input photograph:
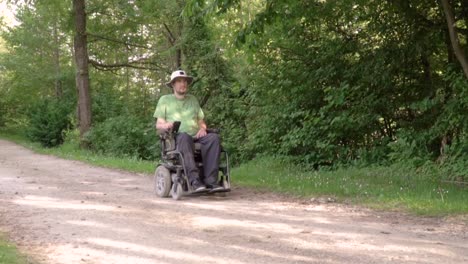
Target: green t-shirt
point(187, 111)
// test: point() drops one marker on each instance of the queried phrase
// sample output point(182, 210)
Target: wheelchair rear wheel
point(162, 181)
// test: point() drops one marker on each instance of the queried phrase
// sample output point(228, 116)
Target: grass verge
point(397, 187)
point(10, 255)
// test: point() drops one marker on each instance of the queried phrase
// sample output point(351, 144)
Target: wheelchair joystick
point(175, 127)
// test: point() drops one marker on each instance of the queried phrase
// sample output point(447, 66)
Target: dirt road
point(61, 211)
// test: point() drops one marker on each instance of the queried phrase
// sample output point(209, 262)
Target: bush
point(125, 136)
point(3, 109)
point(455, 161)
point(47, 121)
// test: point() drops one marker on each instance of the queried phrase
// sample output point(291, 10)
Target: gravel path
point(61, 211)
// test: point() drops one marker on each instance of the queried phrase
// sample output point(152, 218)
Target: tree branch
point(136, 64)
point(118, 41)
point(459, 53)
point(171, 37)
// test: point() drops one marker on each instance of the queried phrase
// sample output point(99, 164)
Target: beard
point(179, 92)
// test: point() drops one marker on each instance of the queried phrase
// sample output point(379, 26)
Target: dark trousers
point(210, 151)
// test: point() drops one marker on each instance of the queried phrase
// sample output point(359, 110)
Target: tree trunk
point(427, 71)
point(82, 75)
point(457, 49)
point(58, 82)
point(178, 58)
point(180, 25)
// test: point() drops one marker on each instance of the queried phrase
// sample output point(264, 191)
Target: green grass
point(10, 255)
point(391, 188)
point(398, 187)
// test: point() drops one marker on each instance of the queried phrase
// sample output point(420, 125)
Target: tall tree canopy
point(327, 82)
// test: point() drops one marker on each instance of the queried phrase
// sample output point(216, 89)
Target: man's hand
point(201, 133)
point(168, 125)
point(164, 126)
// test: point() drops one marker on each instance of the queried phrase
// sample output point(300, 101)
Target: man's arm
point(202, 131)
point(162, 124)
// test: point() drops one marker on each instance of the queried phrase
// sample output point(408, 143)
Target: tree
point(82, 69)
point(36, 65)
point(324, 81)
point(339, 81)
point(451, 25)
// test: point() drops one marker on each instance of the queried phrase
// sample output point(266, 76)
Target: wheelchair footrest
point(219, 191)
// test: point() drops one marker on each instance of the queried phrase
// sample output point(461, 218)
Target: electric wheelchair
point(170, 177)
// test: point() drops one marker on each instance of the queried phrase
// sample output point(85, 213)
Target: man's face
point(180, 86)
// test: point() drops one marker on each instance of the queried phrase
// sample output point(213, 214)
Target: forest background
point(322, 84)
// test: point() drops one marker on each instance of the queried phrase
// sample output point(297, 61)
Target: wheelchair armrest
point(213, 130)
point(166, 132)
point(167, 140)
point(162, 133)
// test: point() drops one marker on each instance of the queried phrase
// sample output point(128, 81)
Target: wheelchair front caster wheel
point(177, 191)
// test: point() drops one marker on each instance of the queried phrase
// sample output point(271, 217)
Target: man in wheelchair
point(181, 108)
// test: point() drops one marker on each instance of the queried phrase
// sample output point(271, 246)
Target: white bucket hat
point(179, 74)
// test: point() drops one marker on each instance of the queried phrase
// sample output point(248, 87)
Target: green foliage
point(3, 110)
point(409, 149)
point(215, 86)
point(48, 119)
point(107, 102)
point(326, 86)
point(125, 136)
point(455, 161)
point(324, 82)
point(37, 62)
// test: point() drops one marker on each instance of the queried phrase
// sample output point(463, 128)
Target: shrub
point(125, 136)
point(47, 121)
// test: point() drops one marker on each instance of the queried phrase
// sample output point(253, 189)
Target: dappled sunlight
point(48, 202)
point(88, 182)
point(405, 252)
point(216, 222)
point(7, 179)
point(92, 193)
point(317, 219)
point(273, 254)
point(207, 206)
point(89, 254)
point(346, 235)
point(273, 232)
point(124, 180)
point(368, 245)
point(261, 210)
point(157, 253)
point(191, 241)
point(94, 224)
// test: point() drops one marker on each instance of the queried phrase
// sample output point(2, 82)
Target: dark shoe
point(215, 187)
point(198, 187)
